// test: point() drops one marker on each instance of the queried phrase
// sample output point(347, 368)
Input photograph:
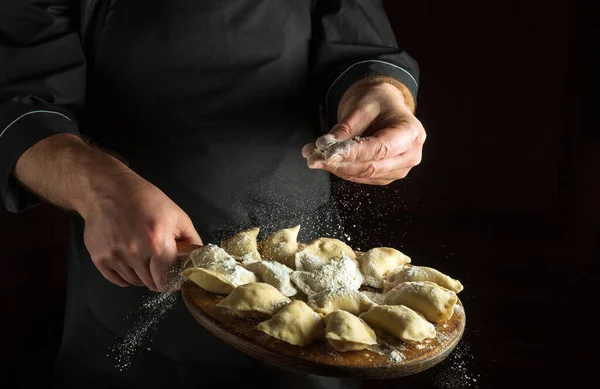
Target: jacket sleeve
point(42, 83)
point(353, 39)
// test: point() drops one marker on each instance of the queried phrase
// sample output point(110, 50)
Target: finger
point(127, 273)
point(385, 143)
point(142, 269)
point(308, 150)
point(113, 277)
point(126, 264)
point(375, 169)
point(161, 263)
point(187, 233)
point(337, 140)
point(317, 160)
point(356, 123)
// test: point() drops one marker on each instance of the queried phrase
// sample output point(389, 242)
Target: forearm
point(67, 172)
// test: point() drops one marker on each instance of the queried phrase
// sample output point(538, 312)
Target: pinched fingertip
point(308, 150)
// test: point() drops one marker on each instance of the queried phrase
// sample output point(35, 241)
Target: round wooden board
point(319, 358)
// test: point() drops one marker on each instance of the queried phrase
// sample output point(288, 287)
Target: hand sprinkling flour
point(330, 150)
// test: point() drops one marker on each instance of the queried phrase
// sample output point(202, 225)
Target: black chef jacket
point(211, 101)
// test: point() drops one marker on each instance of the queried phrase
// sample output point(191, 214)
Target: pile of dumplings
point(323, 291)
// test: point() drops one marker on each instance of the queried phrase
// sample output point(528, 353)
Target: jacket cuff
point(22, 132)
point(358, 71)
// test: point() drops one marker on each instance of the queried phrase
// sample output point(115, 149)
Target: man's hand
point(377, 139)
point(131, 227)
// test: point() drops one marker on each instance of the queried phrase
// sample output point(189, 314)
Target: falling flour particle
point(141, 324)
point(456, 374)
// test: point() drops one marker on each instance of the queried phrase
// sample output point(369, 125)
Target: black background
point(506, 199)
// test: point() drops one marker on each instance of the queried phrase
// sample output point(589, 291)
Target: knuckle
point(123, 251)
point(370, 171)
point(153, 226)
point(344, 128)
point(414, 161)
point(344, 175)
point(382, 151)
point(113, 277)
point(103, 260)
point(118, 251)
point(156, 240)
point(131, 250)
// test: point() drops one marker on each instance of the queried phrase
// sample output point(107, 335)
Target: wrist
point(395, 87)
point(101, 177)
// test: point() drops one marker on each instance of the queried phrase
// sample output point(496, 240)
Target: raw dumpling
point(308, 262)
point(275, 274)
point(324, 249)
point(206, 255)
point(400, 321)
point(243, 245)
point(377, 262)
point(430, 299)
point(346, 332)
point(343, 298)
point(295, 323)
point(376, 297)
point(334, 274)
point(420, 273)
point(215, 271)
point(281, 246)
point(254, 298)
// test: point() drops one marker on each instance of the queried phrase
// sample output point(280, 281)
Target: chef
point(159, 121)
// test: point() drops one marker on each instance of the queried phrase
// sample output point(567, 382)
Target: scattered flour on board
point(396, 356)
point(388, 346)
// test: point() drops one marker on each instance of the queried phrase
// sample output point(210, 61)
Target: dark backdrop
point(506, 198)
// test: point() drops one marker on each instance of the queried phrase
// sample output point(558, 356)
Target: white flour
point(224, 265)
point(328, 146)
point(334, 274)
point(144, 324)
point(388, 346)
point(309, 262)
point(344, 298)
point(275, 274)
point(396, 356)
point(456, 374)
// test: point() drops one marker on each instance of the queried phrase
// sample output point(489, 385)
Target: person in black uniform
point(155, 121)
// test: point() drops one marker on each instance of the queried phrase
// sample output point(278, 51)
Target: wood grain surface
point(319, 358)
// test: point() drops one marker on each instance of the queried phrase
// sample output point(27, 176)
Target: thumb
point(355, 122)
point(187, 233)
